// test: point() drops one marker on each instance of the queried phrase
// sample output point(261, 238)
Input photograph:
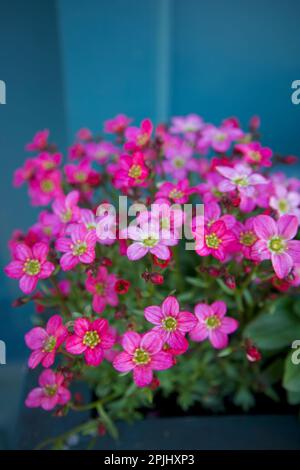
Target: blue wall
point(73, 63)
point(30, 64)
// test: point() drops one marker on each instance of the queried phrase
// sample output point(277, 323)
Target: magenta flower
point(79, 248)
point(170, 323)
point(213, 324)
point(147, 241)
point(130, 171)
point(178, 193)
point(44, 187)
point(45, 341)
point(65, 207)
point(78, 174)
point(117, 125)
point(48, 161)
point(51, 391)
point(138, 137)
point(142, 354)
point(29, 265)
point(90, 338)
point(47, 227)
point(25, 173)
point(216, 240)
point(102, 286)
point(255, 154)
point(39, 141)
point(246, 237)
point(276, 242)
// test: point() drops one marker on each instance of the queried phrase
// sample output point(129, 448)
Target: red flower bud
point(106, 261)
point(230, 282)
point(122, 286)
point(101, 430)
point(154, 384)
point(161, 263)
point(253, 354)
point(156, 278)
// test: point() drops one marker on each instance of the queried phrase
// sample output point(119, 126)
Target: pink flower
point(276, 242)
point(216, 240)
point(102, 286)
point(51, 391)
point(45, 342)
point(48, 226)
point(48, 161)
point(255, 154)
point(179, 160)
point(24, 173)
point(188, 125)
point(84, 134)
point(138, 137)
point(147, 241)
point(142, 354)
point(44, 187)
point(171, 323)
point(213, 324)
point(91, 338)
point(246, 237)
point(117, 125)
point(79, 174)
point(178, 193)
point(39, 141)
point(100, 151)
point(65, 207)
point(242, 179)
point(79, 248)
point(218, 138)
point(29, 265)
point(285, 201)
point(130, 171)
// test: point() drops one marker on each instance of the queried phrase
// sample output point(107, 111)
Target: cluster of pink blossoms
point(251, 215)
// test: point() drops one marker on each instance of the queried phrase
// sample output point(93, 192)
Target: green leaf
point(244, 398)
point(291, 377)
point(274, 330)
point(293, 398)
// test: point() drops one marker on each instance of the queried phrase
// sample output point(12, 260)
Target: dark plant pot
point(178, 433)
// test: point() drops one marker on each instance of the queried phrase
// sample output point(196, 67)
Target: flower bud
point(156, 278)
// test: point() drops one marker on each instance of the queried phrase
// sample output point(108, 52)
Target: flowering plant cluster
point(130, 310)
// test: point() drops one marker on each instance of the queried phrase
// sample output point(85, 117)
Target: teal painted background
point(73, 63)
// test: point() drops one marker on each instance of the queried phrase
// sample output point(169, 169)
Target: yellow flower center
point(150, 241)
point(79, 248)
point(50, 390)
point(241, 181)
point(213, 322)
point(277, 245)
point(32, 267)
point(91, 339)
point(47, 186)
point(175, 194)
point(248, 238)
point(212, 241)
point(169, 323)
point(141, 357)
point(135, 171)
point(49, 344)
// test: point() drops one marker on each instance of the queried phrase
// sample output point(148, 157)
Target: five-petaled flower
point(51, 391)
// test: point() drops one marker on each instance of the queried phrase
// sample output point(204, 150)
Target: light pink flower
point(29, 265)
point(146, 241)
point(45, 341)
point(179, 160)
point(90, 338)
point(213, 324)
point(100, 151)
point(187, 125)
point(285, 201)
point(276, 242)
point(51, 391)
point(65, 207)
point(218, 138)
point(79, 248)
point(102, 286)
point(170, 323)
point(142, 355)
point(242, 179)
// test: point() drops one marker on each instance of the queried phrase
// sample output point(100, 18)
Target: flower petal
point(93, 357)
point(219, 307)
point(54, 323)
point(28, 283)
point(186, 321)
point(123, 362)
point(161, 251)
point(131, 341)
point(170, 307)
point(151, 342)
point(47, 269)
point(203, 311)
point(40, 251)
point(36, 337)
point(136, 251)
point(14, 269)
point(81, 326)
point(161, 361)
point(218, 339)
point(153, 314)
point(229, 325)
point(265, 227)
point(22, 252)
point(199, 333)
point(178, 342)
point(142, 375)
point(74, 345)
point(288, 226)
point(282, 264)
